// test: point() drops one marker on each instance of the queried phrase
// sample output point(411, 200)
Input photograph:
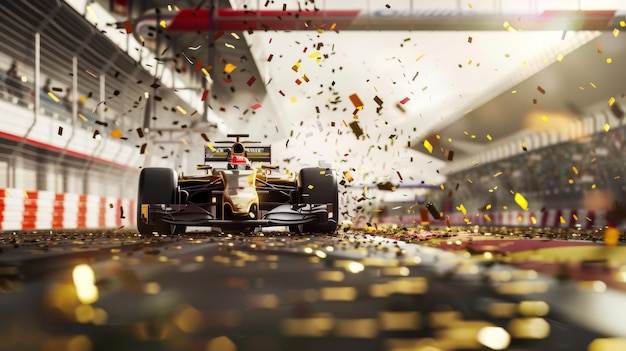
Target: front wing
point(193, 215)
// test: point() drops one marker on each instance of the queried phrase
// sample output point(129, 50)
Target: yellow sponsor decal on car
point(144, 210)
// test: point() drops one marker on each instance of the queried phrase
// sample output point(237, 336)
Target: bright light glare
point(84, 281)
point(355, 267)
point(320, 254)
point(495, 338)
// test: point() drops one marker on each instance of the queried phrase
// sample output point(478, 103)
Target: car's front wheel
point(157, 186)
point(318, 185)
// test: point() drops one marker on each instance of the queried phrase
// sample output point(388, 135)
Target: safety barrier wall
point(548, 218)
point(41, 210)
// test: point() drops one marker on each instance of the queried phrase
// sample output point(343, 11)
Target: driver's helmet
point(239, 149)
point(239, 162)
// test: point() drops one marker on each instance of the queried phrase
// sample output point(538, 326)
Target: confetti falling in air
point(428, 146)
point(60, 131)
point(541, 90)
point(356, 101)
point(378, 101)
point(404, 101)
point(521, 201)
point(462, 209)
point(450, 155)
point(229, 68)
point(116, 133)
point(356, 129)
point(251, 81)
point(348, 176)
point(128, 26)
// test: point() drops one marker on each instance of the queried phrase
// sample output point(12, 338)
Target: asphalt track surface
point(279, 291)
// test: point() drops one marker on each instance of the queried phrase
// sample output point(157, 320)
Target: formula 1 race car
point(239, 197)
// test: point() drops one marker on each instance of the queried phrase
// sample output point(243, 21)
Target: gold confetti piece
point(116, 133)
point(611, 101)
point(91, 73)
point(508, 26)
point(575, 169)
point(310, 186)
point(210, 146)
point(81, 116)
point(606, 127)
point(420, 57)
point(163, 24)
point(521, 201)
point(314, 54)
point(182, 110)
point(541, 90)
point(559, 58)
point(348, 176)
point(462, 209)
point(592, 85)
point(622, 23)
point(296, 66)
point(293, 99)
point(488, 207)
point(229, 68)
point(92, 14)
point(615, 32)
point(53, 97)
point(489, 137)
point(333, 26)
point(428, 146)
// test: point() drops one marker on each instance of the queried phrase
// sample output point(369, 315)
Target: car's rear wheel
point(157, 186)
point(317, 185)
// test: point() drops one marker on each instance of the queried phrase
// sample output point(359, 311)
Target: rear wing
point(254, 153)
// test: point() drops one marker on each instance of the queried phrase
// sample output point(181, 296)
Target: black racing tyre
point(157, 186)
point(318, 185)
